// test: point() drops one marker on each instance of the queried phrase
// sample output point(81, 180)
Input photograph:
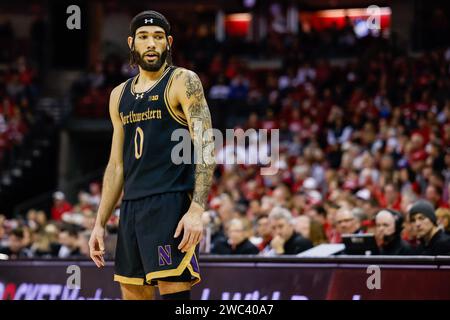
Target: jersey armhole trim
point(172, 110)
point(121, 95)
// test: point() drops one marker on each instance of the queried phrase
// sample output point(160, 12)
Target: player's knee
point(180, 295)
point(137, 292)
point(169, 288)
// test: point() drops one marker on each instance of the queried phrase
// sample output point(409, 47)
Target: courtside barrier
point(245, 278)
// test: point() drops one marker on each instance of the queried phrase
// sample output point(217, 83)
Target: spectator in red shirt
point(60, 206)
point(84, 202)
point(433, 194)
point(263, 231)
point(390, 198)
point(423, 130)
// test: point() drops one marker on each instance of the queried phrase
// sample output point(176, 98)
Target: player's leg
point(137, 292)
point(176, 287)
point(164, 264)
point(129, 271)
point(174, 290)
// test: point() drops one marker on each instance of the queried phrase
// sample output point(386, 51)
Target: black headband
point(149, 18)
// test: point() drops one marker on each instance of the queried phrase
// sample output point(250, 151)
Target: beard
point(149, 66)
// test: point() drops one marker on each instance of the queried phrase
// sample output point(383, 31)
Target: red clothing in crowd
point(269, 124)
point(58, 211)
point(331, 233)
point(396, 205)
point(264, 244)
point(442, 204)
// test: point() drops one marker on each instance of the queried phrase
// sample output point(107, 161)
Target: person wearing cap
point(433, 240)
point(60, 206)
point(164, 193)
point(389, 226)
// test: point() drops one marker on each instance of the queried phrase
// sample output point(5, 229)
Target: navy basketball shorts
point(146, 248)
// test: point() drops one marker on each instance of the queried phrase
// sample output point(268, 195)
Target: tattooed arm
point(188, 92)
point(198, 117)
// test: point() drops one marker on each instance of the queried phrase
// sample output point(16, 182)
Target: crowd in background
point(62, 233)
point(362, 141)
point(17, 94)
point(28, 132)
point(19, 87)
point(225, 62)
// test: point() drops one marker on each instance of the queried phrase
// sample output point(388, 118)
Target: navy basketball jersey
point(148, 121)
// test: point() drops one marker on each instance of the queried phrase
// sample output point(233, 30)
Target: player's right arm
point(112, 181)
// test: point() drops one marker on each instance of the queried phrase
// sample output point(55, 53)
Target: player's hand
point(192, 224)
point(97, 246)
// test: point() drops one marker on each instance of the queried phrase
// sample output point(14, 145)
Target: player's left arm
point(189, 93)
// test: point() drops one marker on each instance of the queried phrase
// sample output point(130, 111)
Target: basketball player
point(160, 215)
